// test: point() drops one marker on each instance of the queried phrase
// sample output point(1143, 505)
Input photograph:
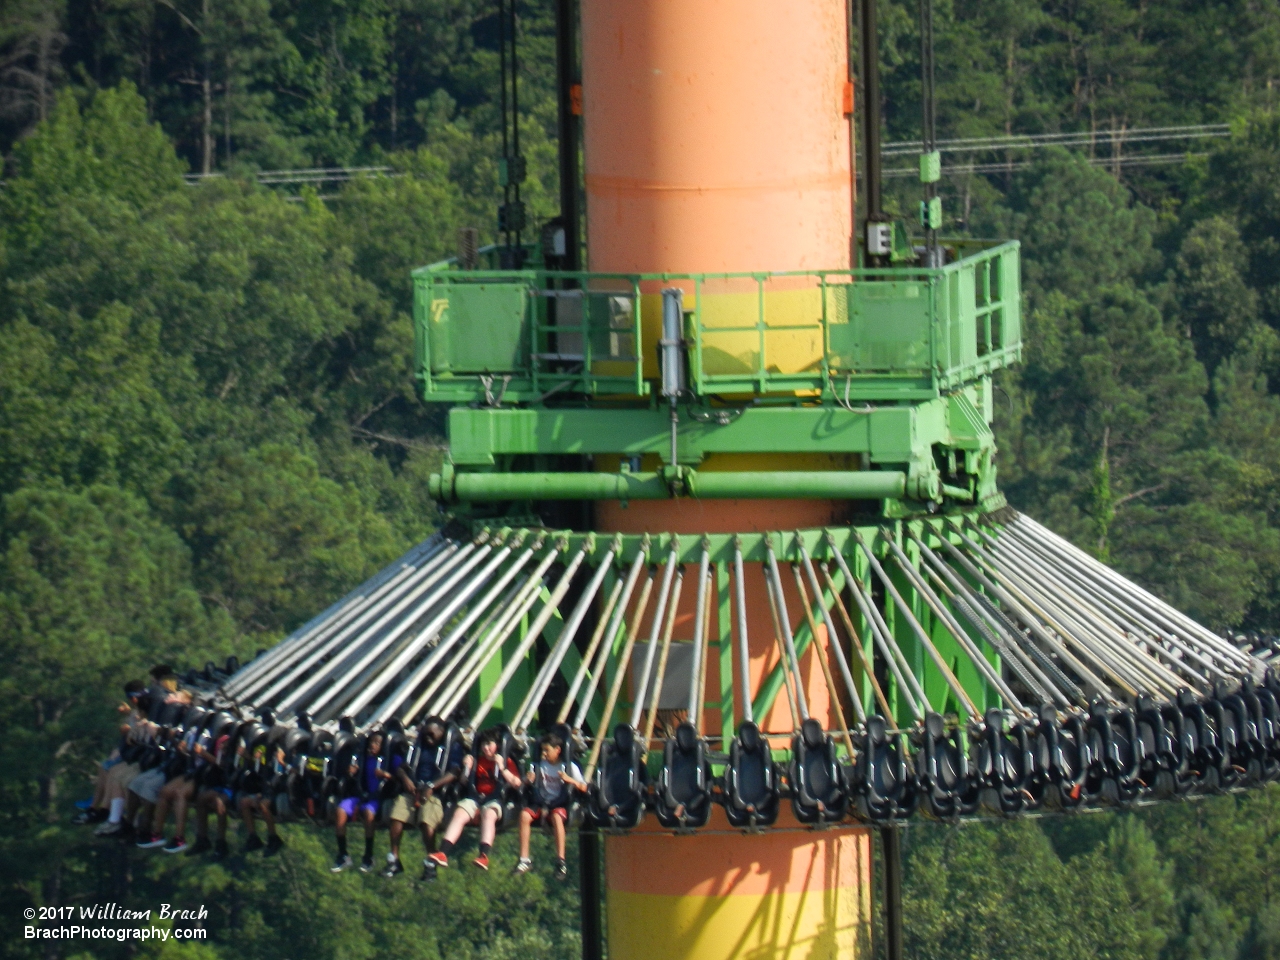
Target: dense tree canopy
point(207, 427)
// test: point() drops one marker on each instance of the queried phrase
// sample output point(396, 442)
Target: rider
point(483, 805)
point(419, 800)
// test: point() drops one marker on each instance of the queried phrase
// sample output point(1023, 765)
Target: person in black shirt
point(420, 798)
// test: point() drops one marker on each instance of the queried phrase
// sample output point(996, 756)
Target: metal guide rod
point(561, 647)
point(1080, 603)
point(1127, 586)
point(1078, 607)
point(1014, 656)
point(431, 631)
point(502, 628)
point(610, 638)
point(1005, 627)
point(856, 645)
point(784, 620)
point(788, 681)
point(655, 698)
point(273, 660)
point(658, 637)
point(423, 669)
point(1047, 542)
point(624, 660)
point(1130, 619)
point(833, 638)
point(744, 652)
point(1029, 620)
point(699, 635)
point(1050, 618)
point(957, 632)
point(1068, 624)
point(1024, 643)
point(367, 621)
point(908, 686)
point(458, 653)
point(962, 697)
point(531, 637)
point(1134, 619)
point(832, 693)
point(655, 630)
point(442, 586)
point(703, 659)
point(475, 649)
point(371, 634)
point(589, 654)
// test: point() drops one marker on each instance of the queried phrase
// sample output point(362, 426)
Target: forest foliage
point(207, 427)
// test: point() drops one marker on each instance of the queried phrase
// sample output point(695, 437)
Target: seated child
point(552, 778)
point(361, 787)
point(483, 778)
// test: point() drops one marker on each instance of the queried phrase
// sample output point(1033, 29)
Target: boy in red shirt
point(483, 804)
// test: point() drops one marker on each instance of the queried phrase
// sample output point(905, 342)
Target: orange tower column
point(717, 140)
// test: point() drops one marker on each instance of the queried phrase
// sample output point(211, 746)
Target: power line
point(1139, 160)
point(301, 175)
point(1034, 141)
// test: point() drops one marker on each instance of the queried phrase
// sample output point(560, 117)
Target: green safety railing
point(863, 334)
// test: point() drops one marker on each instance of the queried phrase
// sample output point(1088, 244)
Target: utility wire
point(1079, 138)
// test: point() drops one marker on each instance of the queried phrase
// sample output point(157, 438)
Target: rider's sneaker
point(393, 868)
point(344, 862)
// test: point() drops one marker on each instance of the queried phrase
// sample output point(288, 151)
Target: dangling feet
point(274, 845)
point(523, 865)
point(176, 845)
point(253, 843)
point(562, 869)
point(393, 868)
point(344, 862)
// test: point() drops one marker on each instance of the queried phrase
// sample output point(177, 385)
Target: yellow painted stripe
point(814, 925)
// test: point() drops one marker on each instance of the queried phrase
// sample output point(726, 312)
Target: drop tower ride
point(722, 511)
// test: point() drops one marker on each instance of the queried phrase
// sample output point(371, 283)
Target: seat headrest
point(686, 737)
point(749, 737)
point(813, 734)
point(624, 736)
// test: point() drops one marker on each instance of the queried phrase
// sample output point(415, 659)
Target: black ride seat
point(946, 782)
point(617, 793)
point(1115, 754)
point(751, 783)
point(1064, 752)
point(818, 791)
point(883, 783)
point(1004, 763)
point(683, 797)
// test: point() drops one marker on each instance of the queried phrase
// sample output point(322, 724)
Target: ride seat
point(684, 793)
point(751, 784)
